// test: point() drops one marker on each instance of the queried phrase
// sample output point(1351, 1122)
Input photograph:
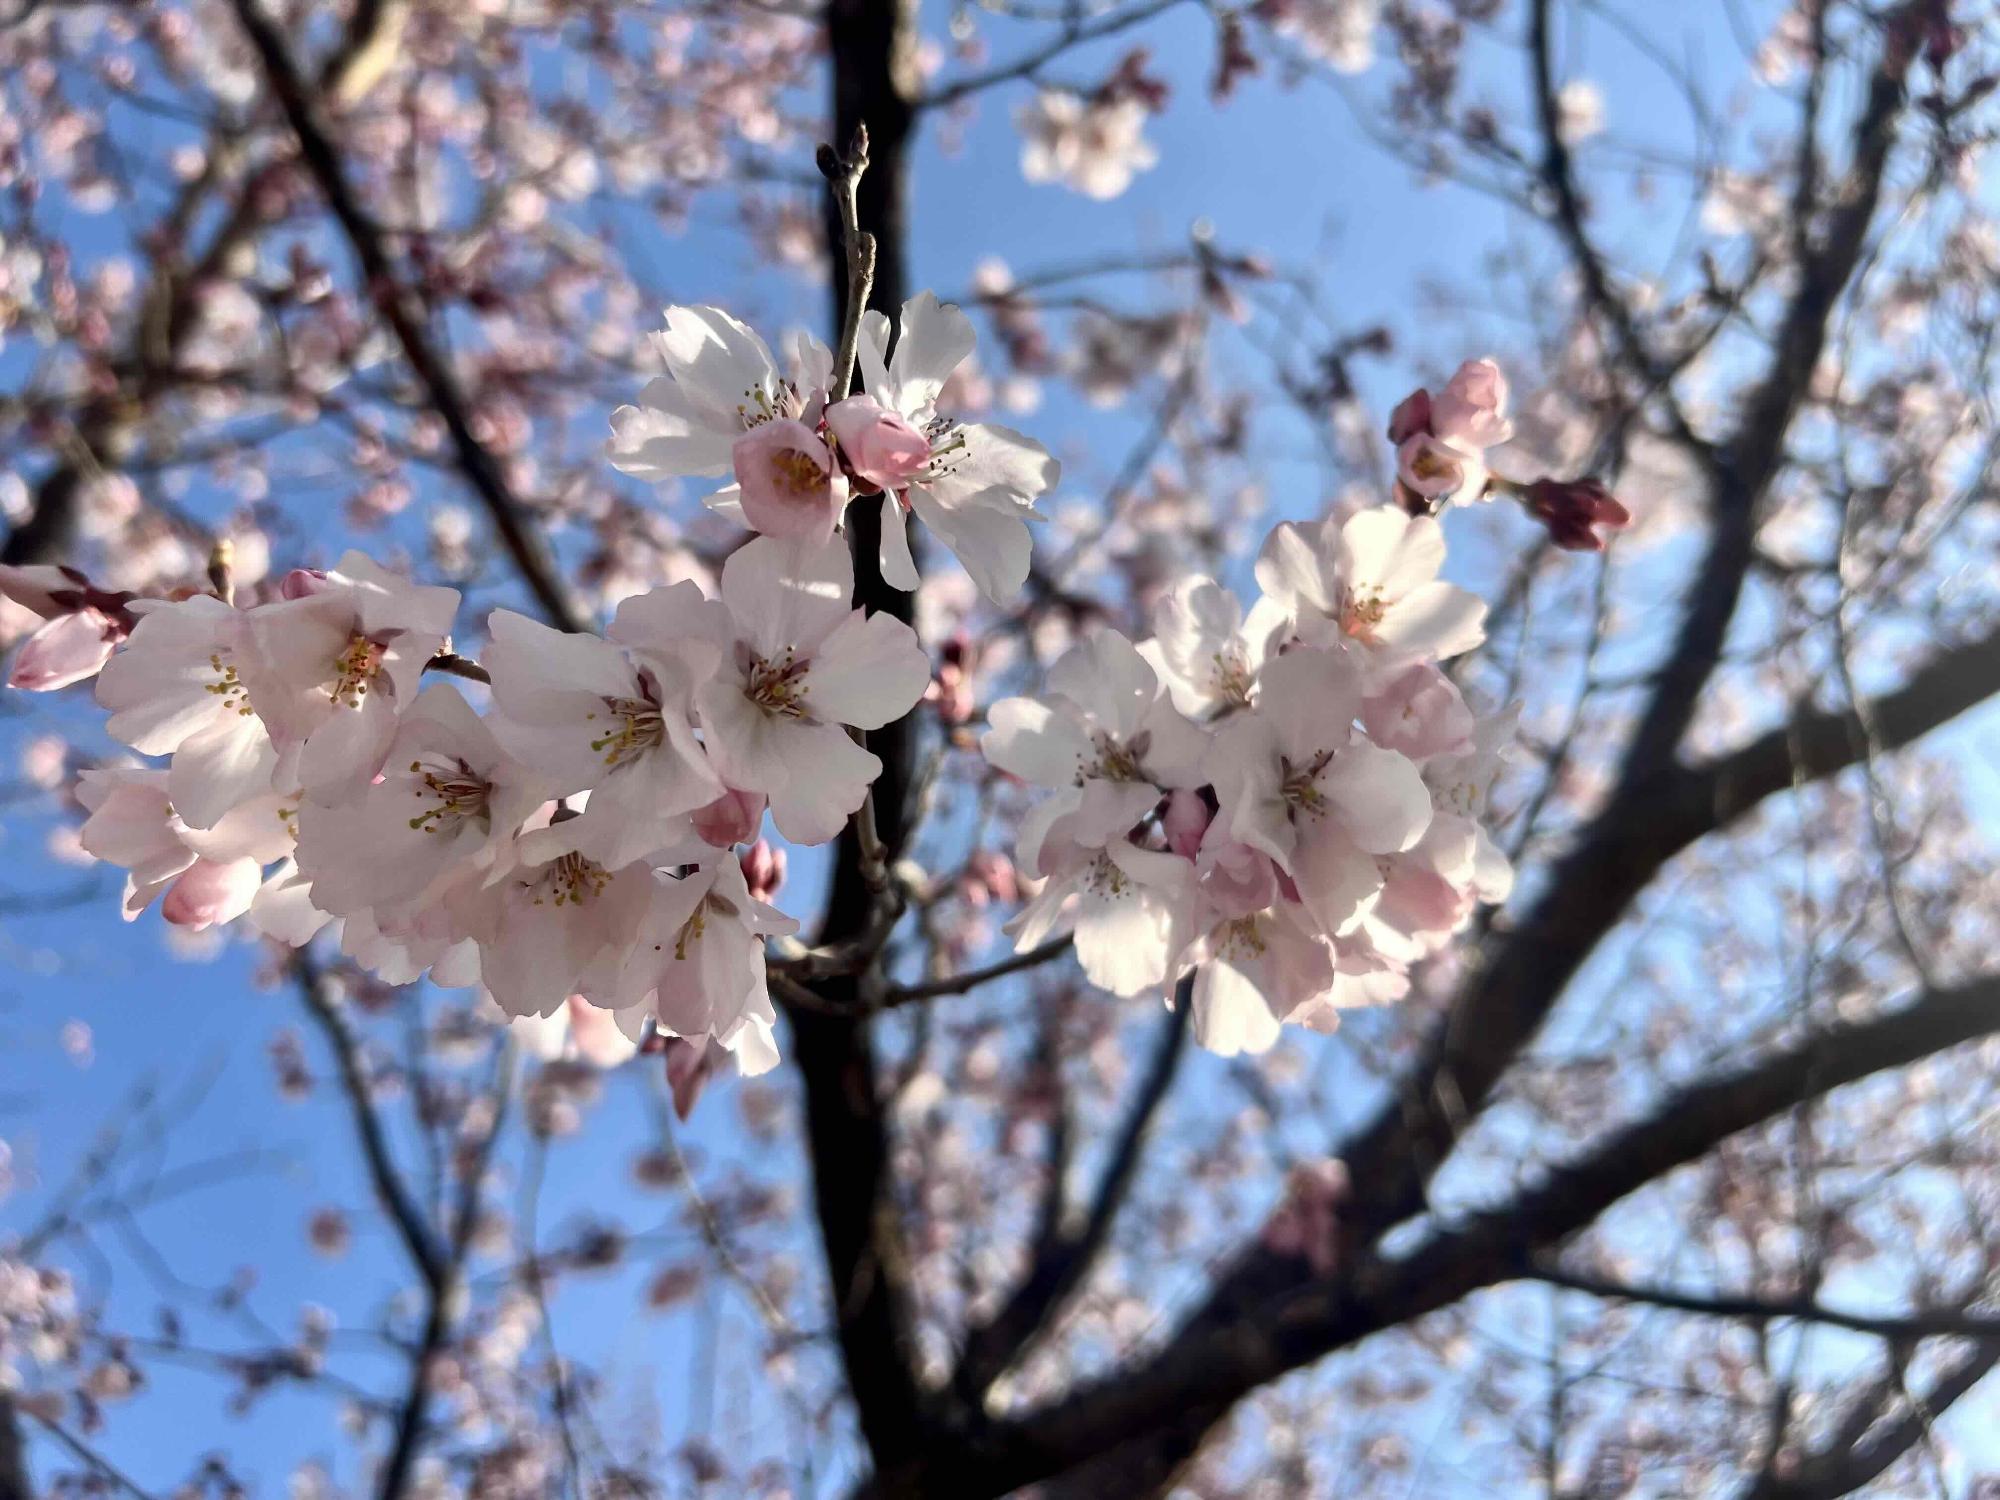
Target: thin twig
point(515, 523)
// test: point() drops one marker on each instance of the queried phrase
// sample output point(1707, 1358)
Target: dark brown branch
point(1525, 971)
point(518, 529)
point(1241, 1339)
point(419, 1238)
point(1843, 1467)
point(1924, 1323)
point(872, 49)
point(1031, 63)
point(972, 979)
point(1063, 1261)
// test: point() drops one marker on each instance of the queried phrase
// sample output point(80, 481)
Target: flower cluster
point(577, 844)
point(1441, 442)
point(1286, 801)
point(798, 458)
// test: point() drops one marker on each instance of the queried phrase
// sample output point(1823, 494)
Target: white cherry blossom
point(1129, 907)
point(1106, 728)
point(558, 924)
point(177, 689)
point(801, 664)
point(445, 810)
point(207, 876)
point(977, 491)
point(1206, 651)
point(1371, 586)
point(1095, 146)
point(613, 717)
point(328, 671)
point(1297, 782)
point(697, 965)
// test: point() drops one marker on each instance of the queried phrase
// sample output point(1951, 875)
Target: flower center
point(1106, 879)
point(454, 795)
point(1361, 613)
point(798, 473)
point(568, 880)
point(1231, 680)
point(1240, 938)
point(636, 727)
point(227, 685)
point(947, 440)
point(1299, 785)
point(354, 669)
point(778, 687)
point(759, 406)
point(1115, 761)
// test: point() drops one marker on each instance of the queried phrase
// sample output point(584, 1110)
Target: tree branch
point(972, 979)
point(1074, 34)
point(1525, 971)
point(1924, 1323)
point(518, 529)
point(872, 48)
point(1062, 1262)
point(1240, 1339)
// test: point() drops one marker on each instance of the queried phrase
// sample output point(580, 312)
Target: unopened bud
point(1571, 509)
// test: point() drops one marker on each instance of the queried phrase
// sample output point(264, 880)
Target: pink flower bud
point(882, 450)
point(210, 892)
point(1187, 818)
point(1418, 713)
point(689, 1067)
point(789, 486)
point(763, 869)
point(301, 583)
point(66, 649)
point(989, 876)
point(1471, 411)
point(1571, 509)
point(1411, 416)
point(46, 589)
point(1429, 466)
point(731, 819)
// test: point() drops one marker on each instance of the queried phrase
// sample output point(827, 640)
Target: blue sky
point(1277, 169)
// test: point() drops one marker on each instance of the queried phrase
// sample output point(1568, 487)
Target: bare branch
point(1075, 34)
point(972, 979)
point(1062, 1262)
point(515, 523)
point(1925, 1323)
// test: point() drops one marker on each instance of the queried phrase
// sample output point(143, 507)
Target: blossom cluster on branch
point(1286, 801)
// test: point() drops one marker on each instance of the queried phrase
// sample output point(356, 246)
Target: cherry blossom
point(1371, 585)
point(1205, 649)
point(721, 385)
point(443, 812)
point(697, 964)
point(1128, 906)
point(327, 671)
point(208, 876)
point(558, 924)
point(1108, 729)
point(613, 717)
point(177, 689)
point(1298, 783)
point(1093, 145)
point(977, 486)
point(800, 665)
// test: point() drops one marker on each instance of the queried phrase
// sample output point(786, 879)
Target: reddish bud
point(1571, 509)
point(1411, 417)
point(763, 869)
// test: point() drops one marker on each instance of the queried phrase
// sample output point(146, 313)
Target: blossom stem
point(453, 665)
point(857, 245)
